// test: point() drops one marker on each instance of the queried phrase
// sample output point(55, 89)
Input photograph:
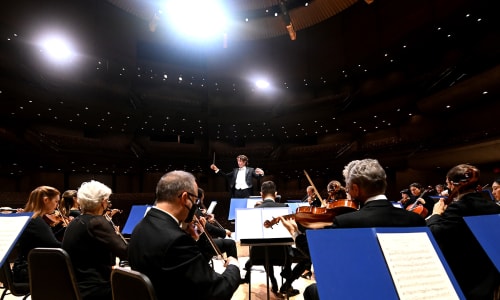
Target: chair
point(269, 256)
point(51, 275)
point(130, 284)
point(11, 287)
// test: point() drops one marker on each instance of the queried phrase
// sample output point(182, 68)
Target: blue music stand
point(10, 234)
point(486, 229)
point(136, 214)
point(234, 204)
point(349, 263)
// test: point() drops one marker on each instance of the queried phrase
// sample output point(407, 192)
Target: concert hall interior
point(413, 84)
point(295, 85)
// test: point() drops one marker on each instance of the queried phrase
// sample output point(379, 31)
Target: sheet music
point(415, 267)
point(11, 228)
point(250, 223)
point(211, 207)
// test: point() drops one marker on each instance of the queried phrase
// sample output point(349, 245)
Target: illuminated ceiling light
point(197, 19)
point(58, 49)
point(262, 84)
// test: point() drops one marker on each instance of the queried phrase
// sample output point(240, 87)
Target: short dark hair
point(268, 188)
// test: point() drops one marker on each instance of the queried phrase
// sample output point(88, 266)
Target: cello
point(418, 207)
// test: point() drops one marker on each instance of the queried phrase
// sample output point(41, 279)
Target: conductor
point(240, 179)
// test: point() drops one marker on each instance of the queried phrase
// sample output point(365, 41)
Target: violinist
point(366, 183)
point(92, 243)
point(217, 232)
point(475, 273)
point(168, 255)
point(69, 205)
point(311, 197)
point(335, 191)
point(42, 200)
point(405, 198)
point(268, 193)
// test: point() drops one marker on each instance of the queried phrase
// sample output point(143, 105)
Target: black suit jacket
point(231, 177)
point(93, 245)
point(173, 262)
point(474, 271)
point(376, 213)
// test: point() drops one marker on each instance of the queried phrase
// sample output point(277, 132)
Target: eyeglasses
point(191, 195)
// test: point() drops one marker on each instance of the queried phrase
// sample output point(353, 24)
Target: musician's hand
point(259, 171)
point(421, 200)
point(228, 233)
point(439, 207)
point(210, 218)
point(232, 261)
point(290, 225)
point(203, 221)
point(193, 230)
point(214, 167)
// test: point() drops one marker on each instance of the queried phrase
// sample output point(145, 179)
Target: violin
point(110, 220)
point(341, 206)
point(56, 219)
point(308, 216)
point(209, 237)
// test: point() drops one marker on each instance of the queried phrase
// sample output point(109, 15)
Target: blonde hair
point(35, 202)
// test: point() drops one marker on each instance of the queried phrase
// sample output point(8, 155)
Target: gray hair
point(91, 193)
point(173, 183)
point(368, 174)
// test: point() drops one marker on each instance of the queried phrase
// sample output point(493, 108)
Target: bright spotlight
point(262, 84)
point(198, 19)
point(57, 49)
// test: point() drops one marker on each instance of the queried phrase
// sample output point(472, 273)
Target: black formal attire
point(429, 202)
point(93, 245)
point(374, 213)
point(283, 254)
point(218, 236)
point(171, 259)
point(474, 271)
point(316, 202)
point(36, 234)
point(74, 213)
point(231, 177)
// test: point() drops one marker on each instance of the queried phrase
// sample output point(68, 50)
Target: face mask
point(191, 213)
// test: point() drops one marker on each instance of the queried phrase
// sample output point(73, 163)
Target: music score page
point(11, 228)
point(415, 267)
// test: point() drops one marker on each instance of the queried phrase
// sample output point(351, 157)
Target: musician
point(240, 179)
point(495, 190)
point(335, 191)
point(421, 195)
point(405, 198)
point(366, 183)
point(268, 193)
point(92, 242)
point(41, 201)
point(168, 255)
point(311, 197)
point(477, 276)
point(69, 205)
point(218, 234)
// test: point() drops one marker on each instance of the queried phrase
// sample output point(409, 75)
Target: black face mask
point(191, 213)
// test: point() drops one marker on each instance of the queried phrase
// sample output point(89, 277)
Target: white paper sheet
point(415, 267)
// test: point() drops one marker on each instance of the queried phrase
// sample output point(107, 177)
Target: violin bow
point(315, 190)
